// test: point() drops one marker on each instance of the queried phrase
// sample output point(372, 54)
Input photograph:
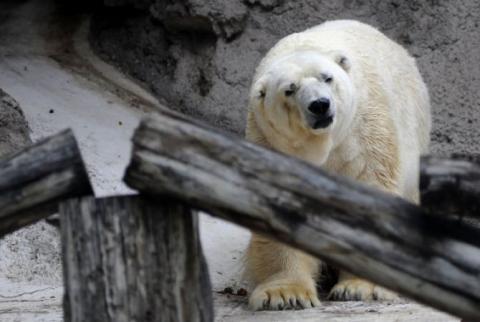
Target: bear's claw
point(360, 290)
point(283, 295)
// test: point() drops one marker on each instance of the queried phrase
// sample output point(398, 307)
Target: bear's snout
point(319, 107)
point(321, 114)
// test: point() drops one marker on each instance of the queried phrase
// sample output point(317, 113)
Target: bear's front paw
point(360, 290)
point(283, 294)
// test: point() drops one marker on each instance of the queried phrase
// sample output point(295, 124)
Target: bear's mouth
point(322, 122)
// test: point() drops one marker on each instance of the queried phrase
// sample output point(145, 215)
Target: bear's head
point(305, 93)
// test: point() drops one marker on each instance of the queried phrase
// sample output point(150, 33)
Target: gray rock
point(199, 56)
point(31, 253)
point(14, 130)
point(265, 4)
point(225, 18)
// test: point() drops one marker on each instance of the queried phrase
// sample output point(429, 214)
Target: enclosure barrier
point(451, 186)
point(131, 259)
point(140, 259)
point(367, 232)
point(34, 181)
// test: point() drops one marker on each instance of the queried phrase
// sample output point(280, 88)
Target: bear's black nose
point(319, 107)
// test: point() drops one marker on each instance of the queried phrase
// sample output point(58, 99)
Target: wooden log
point(450, 186)
point(34, 180)
point(128, 259)
point(370, 233)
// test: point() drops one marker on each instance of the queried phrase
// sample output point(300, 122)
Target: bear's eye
point(291, 90)
point(328, 79)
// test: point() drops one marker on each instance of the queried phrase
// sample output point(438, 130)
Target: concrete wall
point(199, 56)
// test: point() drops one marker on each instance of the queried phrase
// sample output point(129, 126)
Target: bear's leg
point(352, 288)
point(284, 278)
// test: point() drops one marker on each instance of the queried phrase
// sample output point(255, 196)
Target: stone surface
point(14, 130)
point(32, 253)
point(200, 56)
point(224, 18)
point(233, 308)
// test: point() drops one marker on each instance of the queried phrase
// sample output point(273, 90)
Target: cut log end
point(34, 180)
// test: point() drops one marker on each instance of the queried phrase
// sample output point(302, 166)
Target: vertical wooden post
point(132, 259)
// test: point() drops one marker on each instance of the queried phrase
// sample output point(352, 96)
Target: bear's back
point(395, 87)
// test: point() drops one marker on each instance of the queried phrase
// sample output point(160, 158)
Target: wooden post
point(450, 186)
point(34, 180)
point(367, 232)
point(129, 259)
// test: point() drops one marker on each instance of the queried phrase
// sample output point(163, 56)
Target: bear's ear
point(259, 89)
point(258, 92)
point(342, 60)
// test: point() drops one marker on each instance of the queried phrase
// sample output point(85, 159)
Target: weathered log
point(34, 180)
point(450, 186)
point(130, 259)
point(367, 232)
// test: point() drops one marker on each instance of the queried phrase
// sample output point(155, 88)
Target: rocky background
point(199, 56)
point(30, 254)
point(14, 129)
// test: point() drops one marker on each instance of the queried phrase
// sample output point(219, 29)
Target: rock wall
point(14, 130)
point(199, 56)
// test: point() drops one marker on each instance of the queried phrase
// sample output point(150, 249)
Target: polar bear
point(346, 98)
